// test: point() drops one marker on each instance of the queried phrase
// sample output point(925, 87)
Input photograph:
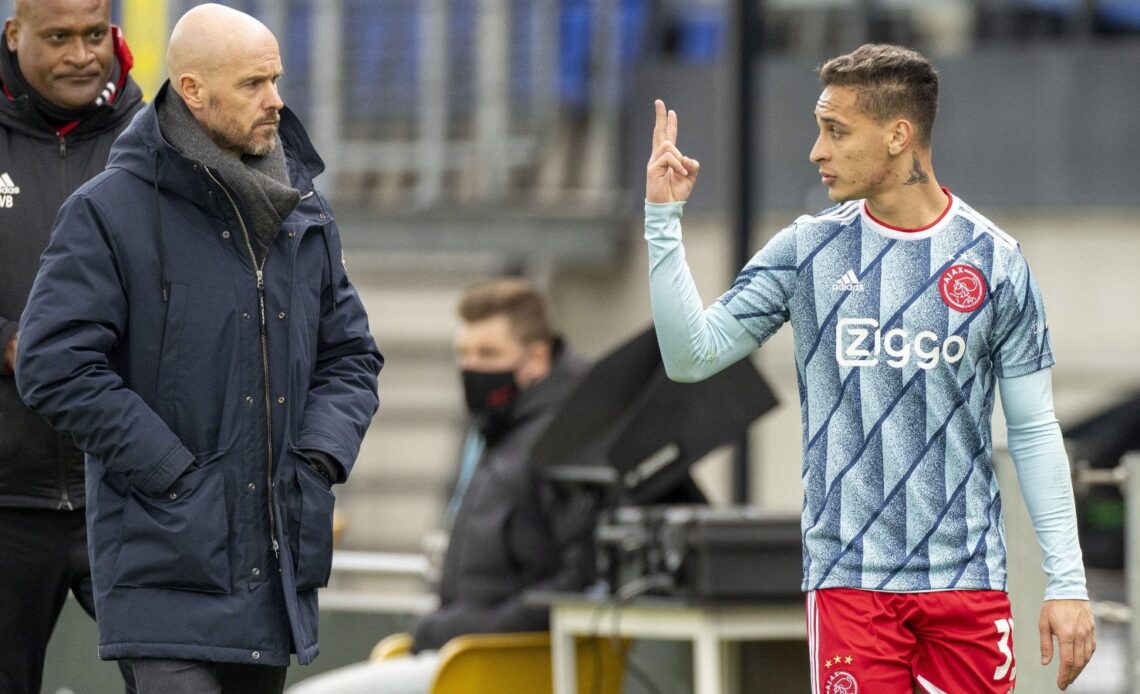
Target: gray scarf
point(261, 183)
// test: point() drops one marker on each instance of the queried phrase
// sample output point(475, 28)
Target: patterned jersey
point(899, 337)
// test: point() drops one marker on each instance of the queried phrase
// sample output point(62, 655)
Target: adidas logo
point(7, 185)
point(849, 282)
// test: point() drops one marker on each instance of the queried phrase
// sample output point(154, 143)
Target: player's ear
point(900, 135)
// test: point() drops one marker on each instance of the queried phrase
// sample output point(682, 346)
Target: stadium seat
point(381, 46)
point(391, 646)
point(701, 33)
point(1060, 8)
point(1119, 14)
point(517, 663)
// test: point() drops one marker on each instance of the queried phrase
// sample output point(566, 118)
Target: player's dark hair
point(523, 305)
point(890, 82)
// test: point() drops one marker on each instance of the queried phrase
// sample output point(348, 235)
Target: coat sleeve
point(75, 318)
point(342, 391)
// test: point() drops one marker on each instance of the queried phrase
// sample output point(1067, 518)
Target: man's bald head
point(211, 35)
point(20, 8)
point(225, 65)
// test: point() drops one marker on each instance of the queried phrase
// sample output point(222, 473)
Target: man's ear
point(901, 136)
point(12, 33)
point(537, 366)
point(192, 91)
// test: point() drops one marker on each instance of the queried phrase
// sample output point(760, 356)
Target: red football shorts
point(945, 642)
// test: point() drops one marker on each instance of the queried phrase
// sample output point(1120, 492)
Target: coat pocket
point(312, 552)
point(179, 540)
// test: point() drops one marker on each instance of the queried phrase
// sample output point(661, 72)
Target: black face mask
point(490, 397)
point(489, 393)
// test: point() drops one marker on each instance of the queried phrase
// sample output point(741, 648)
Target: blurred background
point(466, 139)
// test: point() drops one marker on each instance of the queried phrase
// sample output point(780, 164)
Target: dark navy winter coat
point(142, 338)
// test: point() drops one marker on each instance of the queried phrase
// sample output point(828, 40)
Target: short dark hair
point(517, 299)
point(890, 81)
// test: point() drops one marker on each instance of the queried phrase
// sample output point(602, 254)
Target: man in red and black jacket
point(65, 95)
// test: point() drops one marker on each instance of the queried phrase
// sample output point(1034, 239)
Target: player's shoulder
point(837, 215)
point(983, 225)
point(813, 228)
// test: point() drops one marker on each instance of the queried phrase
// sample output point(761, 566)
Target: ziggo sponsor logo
point(859, 342)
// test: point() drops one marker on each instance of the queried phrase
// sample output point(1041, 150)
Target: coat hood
point(566, 368)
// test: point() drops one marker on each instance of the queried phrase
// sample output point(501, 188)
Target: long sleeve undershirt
point(697, 342)
point(1038, 453)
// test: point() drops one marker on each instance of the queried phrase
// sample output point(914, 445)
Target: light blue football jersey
point(899, 337)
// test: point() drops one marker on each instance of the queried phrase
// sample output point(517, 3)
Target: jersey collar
point(902, 234)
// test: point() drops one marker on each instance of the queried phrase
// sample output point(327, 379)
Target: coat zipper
point(262, 329)
point(64, 493)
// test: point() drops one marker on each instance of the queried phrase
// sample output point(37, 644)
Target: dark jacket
point(144, 337)
point(503, 540)
point(38, 467)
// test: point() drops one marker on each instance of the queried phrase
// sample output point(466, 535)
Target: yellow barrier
point(145, 26)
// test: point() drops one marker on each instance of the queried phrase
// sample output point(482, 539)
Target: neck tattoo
point(917, 175)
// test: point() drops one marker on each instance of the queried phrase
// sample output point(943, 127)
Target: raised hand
point(670, 176)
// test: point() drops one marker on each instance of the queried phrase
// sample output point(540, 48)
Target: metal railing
point(379, 565)
point(1126, 478)
point(446, 99)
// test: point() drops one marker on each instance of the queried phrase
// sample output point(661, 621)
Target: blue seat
point(297, 56)
point(574, 57)
point(381, 41)
point(1059, 8)
point(700, 33)
point(577, 45)
point(633, 18)
point(1119, 14)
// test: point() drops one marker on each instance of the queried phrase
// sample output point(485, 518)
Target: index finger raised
point(659, 123)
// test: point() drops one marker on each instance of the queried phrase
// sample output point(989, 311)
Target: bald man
point(193, 328)
point(65, 95)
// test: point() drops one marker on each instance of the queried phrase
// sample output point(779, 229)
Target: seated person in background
point(503, 521)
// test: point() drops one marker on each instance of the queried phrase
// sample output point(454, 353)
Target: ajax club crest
point(842, 682)
point(962, 288)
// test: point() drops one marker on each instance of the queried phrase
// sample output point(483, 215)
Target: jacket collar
point(565, 368)
point(144, 152)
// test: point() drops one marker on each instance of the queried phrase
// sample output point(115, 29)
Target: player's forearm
point(695, 343)
point(1038, 453)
